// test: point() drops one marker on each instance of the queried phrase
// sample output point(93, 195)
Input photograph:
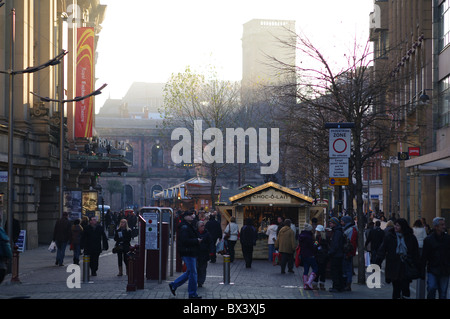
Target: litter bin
point(152, 263)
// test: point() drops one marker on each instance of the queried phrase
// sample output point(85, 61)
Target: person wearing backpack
point(351, 243)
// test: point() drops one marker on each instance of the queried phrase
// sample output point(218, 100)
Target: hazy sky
point(148, 40)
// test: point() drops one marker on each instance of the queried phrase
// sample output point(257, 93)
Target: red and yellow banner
point(84, 110)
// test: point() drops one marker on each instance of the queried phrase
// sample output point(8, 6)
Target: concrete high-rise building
point(262, 44)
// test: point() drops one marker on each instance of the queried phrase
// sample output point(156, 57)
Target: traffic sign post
point(340, 140)
point(339, 153)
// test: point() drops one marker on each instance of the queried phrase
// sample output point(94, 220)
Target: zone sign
point(340, 140)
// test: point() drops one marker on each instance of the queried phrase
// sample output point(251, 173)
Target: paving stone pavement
point(41, 279)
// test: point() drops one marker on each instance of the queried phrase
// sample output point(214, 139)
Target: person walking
point(188, 245)
point(272, 237)
point(321, 246)
point(351, 244)
point(94, 240)
point(214, 229)
point(286, 245)
point(75, 240)
point(336, 254)
point(122, 237)
point(400, 249)
point(248, 240)
point(374, 239)
point(436, 259)
point(5, 253)
point(61, 236)
point(231, 236)
point(306, 243)
point(206, 249)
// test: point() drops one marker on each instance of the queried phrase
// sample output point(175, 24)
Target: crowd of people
point(87, 236)
point(420, 252)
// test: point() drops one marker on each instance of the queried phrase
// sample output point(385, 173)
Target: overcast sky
point(148, 40)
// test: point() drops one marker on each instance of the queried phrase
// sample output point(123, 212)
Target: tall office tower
point(262, 44)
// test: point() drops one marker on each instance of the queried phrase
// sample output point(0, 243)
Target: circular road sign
point(339, 145)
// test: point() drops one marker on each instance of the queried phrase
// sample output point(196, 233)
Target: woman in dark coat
point(398, 246)
point(122, 237)
point(248, 238)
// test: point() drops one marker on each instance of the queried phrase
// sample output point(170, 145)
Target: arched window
point(157, 155)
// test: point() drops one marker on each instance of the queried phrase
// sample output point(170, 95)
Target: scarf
point(401, 246)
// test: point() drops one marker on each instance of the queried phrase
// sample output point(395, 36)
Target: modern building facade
point(411, 38)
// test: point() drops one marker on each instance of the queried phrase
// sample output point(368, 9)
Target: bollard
point(226, 269)
point(131, 273)
point(86, 262)
point(15, 265)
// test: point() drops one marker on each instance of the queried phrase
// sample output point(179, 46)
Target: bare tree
point(353, 93)
point(191, 98)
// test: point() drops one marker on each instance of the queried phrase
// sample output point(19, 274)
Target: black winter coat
point(395, 269)
point(337, 243)
point(214, 229)
point(124, 240)
point(94, 240)
point(206, 247)
point(187, 242)
point(436, 254)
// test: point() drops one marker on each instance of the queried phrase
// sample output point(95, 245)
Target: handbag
point(276, 258)
point(52, 247)
point(411, 270)
point(117, 249)
point(298, 258)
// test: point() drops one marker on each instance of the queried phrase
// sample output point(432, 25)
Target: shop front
point(264, 204)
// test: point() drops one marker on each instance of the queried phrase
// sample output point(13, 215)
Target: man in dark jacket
point(188, 244)
point(336, 254)
point(248, 240)
point(436, 258)
point(374, 239)
point(93, 241)
point(61, 236)
point(214, 229)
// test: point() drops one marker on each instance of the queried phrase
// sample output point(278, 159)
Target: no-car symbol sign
point(339, 143)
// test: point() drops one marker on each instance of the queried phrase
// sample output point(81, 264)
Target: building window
point(444, 27)
point(444, 101)
point(157, 156)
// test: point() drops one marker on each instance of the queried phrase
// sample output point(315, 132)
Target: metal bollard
point(86, 262)
point(226, 269)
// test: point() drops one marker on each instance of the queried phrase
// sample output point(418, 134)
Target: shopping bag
point(52, 247)
point(298, 258)
point(276, 258)
point(221, 247)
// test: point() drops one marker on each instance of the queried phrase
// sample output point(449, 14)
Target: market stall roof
point(275, 186)
point(179, 189)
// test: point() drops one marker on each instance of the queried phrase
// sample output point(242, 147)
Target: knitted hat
point(334, 220)
point(346, 219)
point(307, 227)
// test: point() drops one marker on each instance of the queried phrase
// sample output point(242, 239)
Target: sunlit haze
point(147, 41)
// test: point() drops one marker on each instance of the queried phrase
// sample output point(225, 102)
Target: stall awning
point(271, 185)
